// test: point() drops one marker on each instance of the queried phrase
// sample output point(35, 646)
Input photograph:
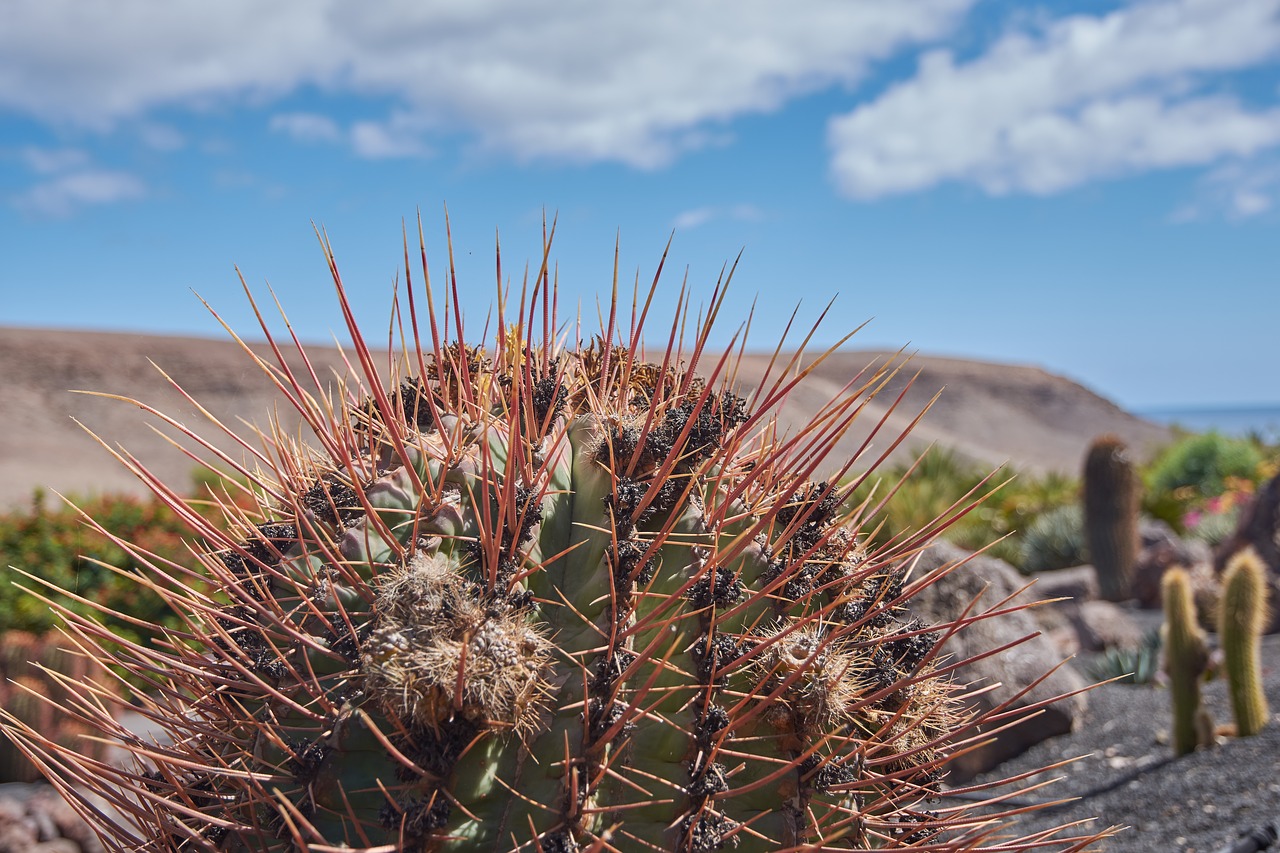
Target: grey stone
point(1012, 670)
point(1162, 549)
point(1102, 625)
point(1078, 583)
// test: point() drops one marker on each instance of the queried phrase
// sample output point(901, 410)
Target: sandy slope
point(991, 412)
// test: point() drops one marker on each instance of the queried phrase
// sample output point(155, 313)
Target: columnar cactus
point(1186, 659)
point(1242, 613)
point(540, 597)
point(34, 673)
point(1112, 502)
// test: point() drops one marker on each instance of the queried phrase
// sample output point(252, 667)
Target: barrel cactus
point(538, 596)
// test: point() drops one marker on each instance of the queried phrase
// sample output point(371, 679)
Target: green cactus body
point(1112, 502)
point(1186, 659)
point(1242, 614)
point(543, 598)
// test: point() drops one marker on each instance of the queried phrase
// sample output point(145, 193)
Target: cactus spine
point(35, 672)
point(1112, 501)
point(1186, 659)
point(1241, 616)
point(540, 597)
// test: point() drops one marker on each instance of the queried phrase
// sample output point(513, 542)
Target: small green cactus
point(34, 676)
point(1186, 656)
point(543, 595)
point(1242, 613)
point(1112, 502)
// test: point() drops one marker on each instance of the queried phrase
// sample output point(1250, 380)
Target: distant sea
point(1228, 420)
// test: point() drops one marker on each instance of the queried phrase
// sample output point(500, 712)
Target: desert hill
point(990, 412)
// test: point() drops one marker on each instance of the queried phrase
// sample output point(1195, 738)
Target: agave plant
point(551, 593)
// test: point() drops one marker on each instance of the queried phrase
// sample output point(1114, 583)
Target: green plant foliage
point(1138, 665)
point(1011, 502)
point(1055, 540)
point(1202, 463)
point(1213, 528)
point(59, 545)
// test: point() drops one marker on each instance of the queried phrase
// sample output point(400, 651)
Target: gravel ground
point(1199, 803)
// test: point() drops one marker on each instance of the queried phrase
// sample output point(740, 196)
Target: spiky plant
point(1112, 502)
point(544, 597)
point(1242, 614)
point(33, 669)
point(1186, 659)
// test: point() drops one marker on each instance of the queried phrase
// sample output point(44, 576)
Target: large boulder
point(1259, 529)
point(1162, 549)
point(1011, 671)
point(1076, 620)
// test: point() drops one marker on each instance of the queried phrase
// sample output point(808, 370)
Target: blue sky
point(1091, 187)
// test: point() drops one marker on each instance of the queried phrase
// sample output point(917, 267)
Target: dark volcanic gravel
point(1199, 803)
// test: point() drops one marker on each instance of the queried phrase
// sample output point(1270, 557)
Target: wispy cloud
point(1236, 190)
point(63, 195)
point(307, 127)
point(399, 137)
point(636, 83)
point(68, 181)
point(1082, 98)
point(48, 161)
point(161, 137)
point(689, 219)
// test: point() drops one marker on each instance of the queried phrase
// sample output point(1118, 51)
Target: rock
point(1013, 670)
point(34, 818)
point(57, 845)
point(1259, 529)
point(1102, 625)
point(1161, 549)
point(15, 837)
point(1079, 583)
point(1063, 590)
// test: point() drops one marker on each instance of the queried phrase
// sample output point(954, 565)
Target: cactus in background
point(1186, 656)
point(35, 674)
point(540, 597)
point(1112, 501)
point(1242, 613)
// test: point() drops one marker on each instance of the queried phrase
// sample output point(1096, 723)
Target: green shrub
point(1213, 528)
point(1011, 501)
point(1055, 540)
point(57, 545)
point(1202, 464)
point(939, 481)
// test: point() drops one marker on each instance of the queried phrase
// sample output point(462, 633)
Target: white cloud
point(1237, 190)
point(1082, 98)
point(65, 194)
point(161, 137)
point(399, 137)
point(565, 79)
point(697, 216)
point(307, 127)
point(49, 161)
